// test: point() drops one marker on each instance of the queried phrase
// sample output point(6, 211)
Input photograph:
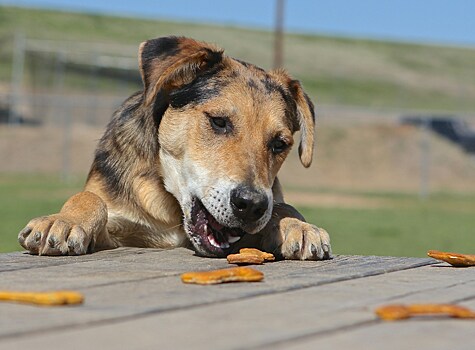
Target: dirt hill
point(381, 157)
point(365, 157)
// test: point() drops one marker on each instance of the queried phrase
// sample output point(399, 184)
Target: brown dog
point(192, 161)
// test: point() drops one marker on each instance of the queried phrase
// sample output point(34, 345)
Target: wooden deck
point(135, 300)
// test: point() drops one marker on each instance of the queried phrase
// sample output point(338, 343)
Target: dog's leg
point(288, 234)
point(79, 228)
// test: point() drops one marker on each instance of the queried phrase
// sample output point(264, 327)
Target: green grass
point(334, 70)
point(404, 226)
point(24, 197)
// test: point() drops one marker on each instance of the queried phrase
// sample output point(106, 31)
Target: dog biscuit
point(235, 274)
point(454, 259)
point(250, 256)
point(242, 259)
point(399, 312)
point(253, 251)
point(63, 297)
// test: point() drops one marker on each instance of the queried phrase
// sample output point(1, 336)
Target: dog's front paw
point(303, 241)
point(55, 235)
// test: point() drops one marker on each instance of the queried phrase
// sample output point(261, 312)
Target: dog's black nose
point(248, 204)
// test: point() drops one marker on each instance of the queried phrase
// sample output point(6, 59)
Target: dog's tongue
point(214, 224)
point(201, 219)
point(206, 225)
point(214, 233)
point(218, 242)
point(218, 236)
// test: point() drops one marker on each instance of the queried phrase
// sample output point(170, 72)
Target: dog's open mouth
point(208, 236)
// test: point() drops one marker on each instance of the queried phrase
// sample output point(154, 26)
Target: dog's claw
point(53, 235)
point(295, 248)
point(317, 252)
point(295, 232)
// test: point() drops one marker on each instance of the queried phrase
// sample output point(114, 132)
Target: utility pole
point(279, 34)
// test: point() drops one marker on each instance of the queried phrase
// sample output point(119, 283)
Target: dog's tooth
point(213, 241)
point(233, 239)
point(224, 245)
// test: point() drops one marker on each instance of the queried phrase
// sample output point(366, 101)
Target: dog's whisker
point(172, 228)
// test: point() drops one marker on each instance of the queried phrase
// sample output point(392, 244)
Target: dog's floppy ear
point(306, 118)
point(305, 114)
point(170, 62)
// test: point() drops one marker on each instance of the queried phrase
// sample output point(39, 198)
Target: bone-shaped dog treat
point(454, 259)
point(63, 297)
point(399, 312)
point(250, 256)
point(235, 274)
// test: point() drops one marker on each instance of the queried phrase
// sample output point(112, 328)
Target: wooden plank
point(23, 260)
point(140, 284)
point(429, 333)
point(133, 264)
point(112, 267)
point(435, 284)
point(297, 317)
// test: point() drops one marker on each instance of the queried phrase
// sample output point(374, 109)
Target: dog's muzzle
point(244, 211)
point(208, 236)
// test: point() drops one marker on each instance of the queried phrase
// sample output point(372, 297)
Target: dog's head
point(225, 127)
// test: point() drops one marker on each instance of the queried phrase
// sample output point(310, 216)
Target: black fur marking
point(168, 46)
point(130, 137)
point(159, 107)
point(294, 86)
point(252, 84)
point(310, 106)
point(110, 173)
point(233, 74)
point(245, 64)
point(271, 87)
point(160, 48)
point(204, 87)
point(131, 104)
point(249, 65)
point(214, 57)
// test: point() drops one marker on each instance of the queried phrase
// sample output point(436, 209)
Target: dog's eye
point(218, 123)
point(278, 145)
point(221, 125)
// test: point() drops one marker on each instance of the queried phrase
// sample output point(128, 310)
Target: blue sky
point(431, 21)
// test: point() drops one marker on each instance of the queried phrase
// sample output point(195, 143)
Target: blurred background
point(394, 85)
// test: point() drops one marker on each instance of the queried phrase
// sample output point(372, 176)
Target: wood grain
point(136, 294)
